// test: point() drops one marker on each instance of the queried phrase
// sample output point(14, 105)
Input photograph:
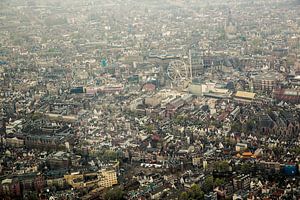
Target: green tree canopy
point(208, 184)
point(246, 167)
point(184, 196)
point(194, 193)
point(236, 127)
point(219, 182)
point(149, 128)
point(221, 166)
point(109, 155)
point(114, 194)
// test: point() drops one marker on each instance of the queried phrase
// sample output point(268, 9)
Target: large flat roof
point(243, 94)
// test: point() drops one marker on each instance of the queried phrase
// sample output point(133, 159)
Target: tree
point(180, 119)
point(36, 116)
point(208, 184)
point(109, 155)
point(216, 124)
point(236, 127)
point(221, 166)
point(194, 193)
point(219, 182)
point(149, 128)
point(184, 196)
point(296, 150)
point(114, 194)
point(245, 168)
point(250, 125)
point(278, 150)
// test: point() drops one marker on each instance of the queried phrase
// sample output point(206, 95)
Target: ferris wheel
point(177, 71)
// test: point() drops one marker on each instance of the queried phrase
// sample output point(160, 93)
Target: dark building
point(241, 182)
point(10, 188)
point(45, 142)
point(287, 95)
point(31, 182)
point(196, 63)
point(266, 122)
point(59, 160)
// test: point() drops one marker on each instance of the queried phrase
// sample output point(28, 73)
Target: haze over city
point(149, 99)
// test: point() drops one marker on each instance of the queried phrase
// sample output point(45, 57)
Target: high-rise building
point(108, 178)
point(241, 182)
point(196, 63)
